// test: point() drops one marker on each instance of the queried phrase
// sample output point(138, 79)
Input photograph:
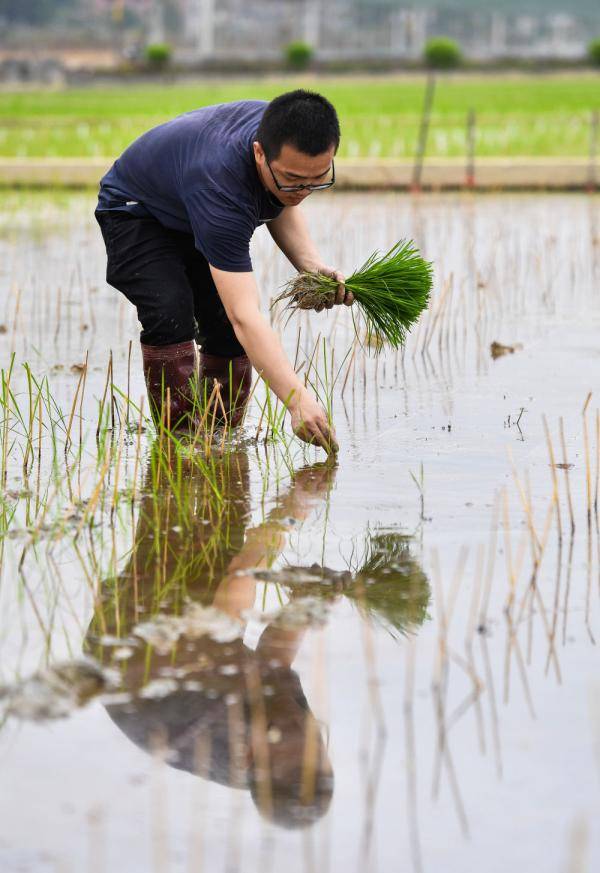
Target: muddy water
point(388, 665)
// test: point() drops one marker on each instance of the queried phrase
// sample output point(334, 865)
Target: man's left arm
point(290, 232)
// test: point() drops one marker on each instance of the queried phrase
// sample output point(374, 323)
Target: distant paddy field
point(516, 115)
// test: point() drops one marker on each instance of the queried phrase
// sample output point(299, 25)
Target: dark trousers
point(169, 282)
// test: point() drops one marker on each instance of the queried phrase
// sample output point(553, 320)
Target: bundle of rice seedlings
point(391, 291)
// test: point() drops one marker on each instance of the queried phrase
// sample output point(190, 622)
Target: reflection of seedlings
point(197, 621)
point(388, 584)
point(301, 612)
point(55, 691)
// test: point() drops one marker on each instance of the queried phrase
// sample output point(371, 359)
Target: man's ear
point(259, 154)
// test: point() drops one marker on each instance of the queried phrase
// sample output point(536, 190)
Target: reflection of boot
point(174, 367)
point(235, 391)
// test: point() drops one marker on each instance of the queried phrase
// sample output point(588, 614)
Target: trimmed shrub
point(594, 52)
point(298, 54)
point(442, 53)
point(158, 55)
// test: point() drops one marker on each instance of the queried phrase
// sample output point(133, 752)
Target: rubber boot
point(173, 367)
point(234, 376)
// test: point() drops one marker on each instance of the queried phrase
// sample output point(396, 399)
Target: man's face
point(292, 167)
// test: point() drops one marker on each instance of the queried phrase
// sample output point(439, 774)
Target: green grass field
point(516, 115)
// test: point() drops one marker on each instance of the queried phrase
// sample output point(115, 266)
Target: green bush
point(158, 55)
point(298, 54)
point(442, 53)
point(594, 52)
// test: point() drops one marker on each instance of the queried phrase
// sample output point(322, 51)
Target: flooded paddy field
point(226, 655)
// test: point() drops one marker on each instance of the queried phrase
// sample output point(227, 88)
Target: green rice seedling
point(391, 292)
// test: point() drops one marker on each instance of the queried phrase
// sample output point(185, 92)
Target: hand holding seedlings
point(309, 422)
point(391, 290)
point(330, 299)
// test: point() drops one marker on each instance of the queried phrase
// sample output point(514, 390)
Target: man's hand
point(342, 295)
point(309, 422)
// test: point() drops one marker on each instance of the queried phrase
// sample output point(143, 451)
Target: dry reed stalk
point(72, 413)
point(138, 441)
point(92, 502)
point(94, 589)
point(556, 601)
point(465, 665)
point(261, 417)
point(535, 543)
point(489, 573)
point(200, 429)
point(482, 630)
point(565, 464)
point(58, 588)
point(588, 466)
point(103, 401)
point(588, 591)
point(533, 591)
point(44, 628)
point(512, 579)
point(597, 485)
point(250, 396)
point(471, 627)
point(513, 643)
point(552, 457)
point(168, 502)
point(226, 425)
point(512, 640)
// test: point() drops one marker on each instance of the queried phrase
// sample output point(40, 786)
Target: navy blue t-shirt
point(197, 174)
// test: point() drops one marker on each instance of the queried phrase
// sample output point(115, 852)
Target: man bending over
point(177, 211)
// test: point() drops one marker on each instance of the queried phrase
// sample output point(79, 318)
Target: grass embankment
point(516, 115)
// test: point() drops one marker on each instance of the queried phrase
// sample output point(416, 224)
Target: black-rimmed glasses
point(290, 189)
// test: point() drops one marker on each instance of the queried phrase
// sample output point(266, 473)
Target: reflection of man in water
point(219, 709)
point(216, 707)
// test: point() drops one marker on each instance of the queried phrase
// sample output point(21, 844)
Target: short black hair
point(303, 119)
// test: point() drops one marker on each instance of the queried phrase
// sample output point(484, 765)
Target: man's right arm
point(239, 294)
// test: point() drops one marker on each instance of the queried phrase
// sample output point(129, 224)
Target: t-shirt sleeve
point(222, 229)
